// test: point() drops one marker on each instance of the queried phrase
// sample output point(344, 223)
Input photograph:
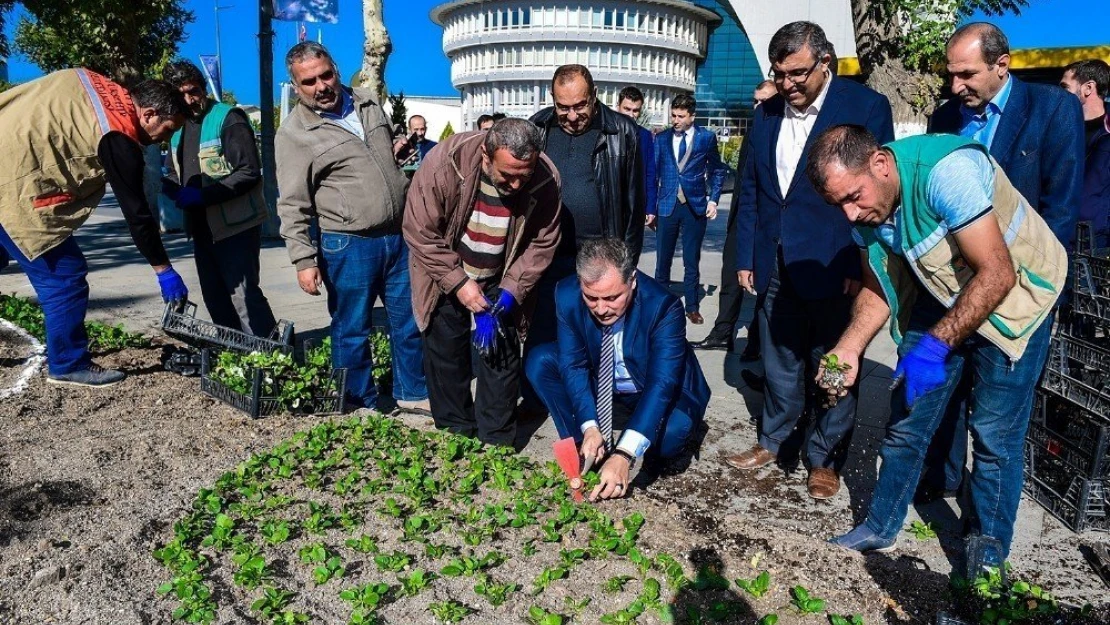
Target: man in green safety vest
point(967, 273)
point(215, 179)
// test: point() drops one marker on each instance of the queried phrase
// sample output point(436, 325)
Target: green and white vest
point(931, 253)
point(240, 213)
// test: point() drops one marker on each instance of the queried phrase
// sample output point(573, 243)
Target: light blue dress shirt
point(982, 127)
point(631, 442)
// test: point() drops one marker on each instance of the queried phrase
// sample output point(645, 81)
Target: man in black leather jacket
point(597, 152)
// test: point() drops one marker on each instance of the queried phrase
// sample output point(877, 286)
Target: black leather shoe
point(754, 381)
point(713, 341)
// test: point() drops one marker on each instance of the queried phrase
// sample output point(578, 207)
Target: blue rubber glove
point(173, 287)
point(503, 310)
point(189, 198)
point(485, 330)
point(922, 368)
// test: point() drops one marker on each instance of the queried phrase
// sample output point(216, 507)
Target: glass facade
point(729, 73)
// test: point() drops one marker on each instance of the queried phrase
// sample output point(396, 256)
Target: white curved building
point(503, 52)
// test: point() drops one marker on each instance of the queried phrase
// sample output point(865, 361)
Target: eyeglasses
point(578, 109)
point(796, 77)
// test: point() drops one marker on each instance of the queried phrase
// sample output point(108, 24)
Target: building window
point(526, 16)
point(608, 18)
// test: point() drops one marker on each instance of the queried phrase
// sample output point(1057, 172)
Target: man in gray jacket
point(335, 165)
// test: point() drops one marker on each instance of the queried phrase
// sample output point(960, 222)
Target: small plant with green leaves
point(756, 586)
point(272, 603)
point(834, 377)
point(449, 611)
point(415, 583)
point(540, 616)
point(362, 544)
point(368, 597)
point(616, 583)
point(673, 571)
point(853, 619)
point(708, 578)
point(804, 602)
point(393, 562)
point(769, 619)
point(547, 577)
point(624, 617)
point(1001, 601)
point(922, 531)
point(495, 592)
point(252, 571)
point(276, 532)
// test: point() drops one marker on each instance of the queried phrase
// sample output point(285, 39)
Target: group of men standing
point(513, 250)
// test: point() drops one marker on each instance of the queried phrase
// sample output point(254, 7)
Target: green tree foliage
point(228, 97)
point(122, 39)
point(447, 131)
point(400, 112)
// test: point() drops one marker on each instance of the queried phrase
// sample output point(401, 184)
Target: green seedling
point(436, 552)
point(709, 579)
point(276, 532)
point(289, 617)
point(415, 582)
point(222, 532)
point(449, 611)
point(804, 602)
point(625, 616)
point(836, 619)
point(769, 619)
point(330, 569)
point(368, 597)
point(320, 518)
point(922, 531)
point(757, 586)
point(469, 565)
point(252, 569)
point(571, 558)
point(418, 527)
point(577, 607)
point(529, 549)
point(616, 584)
point(539, 616)
point(494, 592)
point(547, 577)
point(362, 544)
point(834, 376)
point(725, 611)
point(272, 603)
point(392, 562)
point(673, 571)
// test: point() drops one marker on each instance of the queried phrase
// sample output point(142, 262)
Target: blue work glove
point(485, 330)
point(189, 198)
point(173, 287)
point(922, 369)
point(503, 310)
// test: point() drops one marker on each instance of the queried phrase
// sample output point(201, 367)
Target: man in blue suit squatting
point(621, 361)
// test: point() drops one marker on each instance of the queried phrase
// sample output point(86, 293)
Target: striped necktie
point(605, 387)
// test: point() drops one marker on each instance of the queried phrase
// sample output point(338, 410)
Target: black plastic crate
point(256, 404)
point(1095, 402)
point(182, 323)
point(1075, 435)
point(1080, 503)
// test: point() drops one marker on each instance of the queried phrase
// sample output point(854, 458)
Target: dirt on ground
point(92, 482)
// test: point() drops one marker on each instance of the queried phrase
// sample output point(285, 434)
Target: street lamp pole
point(216, 8)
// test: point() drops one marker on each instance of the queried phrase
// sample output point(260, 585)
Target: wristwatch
point(627, 456)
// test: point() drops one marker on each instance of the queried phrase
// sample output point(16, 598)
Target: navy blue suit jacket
point(816, 237)
point(1039, 144)
point(651, 182)
point(1096, 181)
point(701, 179)
point(655, 350)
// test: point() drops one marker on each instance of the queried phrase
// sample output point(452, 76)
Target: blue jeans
point(666, 237)
point(542, 369)
point(356, 271)
point(999, 402)
point(58, 277)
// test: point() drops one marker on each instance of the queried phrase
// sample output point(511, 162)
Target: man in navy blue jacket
point(797, 251)
point(1035, 134)
point(621, 362)
point(630, 101)
point(691, 176)
point(1089, 81)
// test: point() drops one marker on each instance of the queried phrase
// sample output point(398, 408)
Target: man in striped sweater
point(482, 224)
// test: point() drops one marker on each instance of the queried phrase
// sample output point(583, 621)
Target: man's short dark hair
point(306, 50)
point(767, 82)
point(684, 102)
point(849, 145)
point(992, 41)
point(483, 119)
point(596, 256)
point(496, 117)
point(1092, 70)
point(631, 94)
point(182, 72)
point(567, 73)
point(161, 96)
point(796, 36)
point(520, 137)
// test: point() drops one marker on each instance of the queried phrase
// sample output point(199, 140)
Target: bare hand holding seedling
point(837, 373)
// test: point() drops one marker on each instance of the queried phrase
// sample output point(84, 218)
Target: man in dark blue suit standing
point(621, 361)
point(630, 102)
point(792, 252)
point(1035, 133)
point(691, 175)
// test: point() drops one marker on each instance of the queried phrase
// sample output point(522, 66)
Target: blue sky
point(418, 65)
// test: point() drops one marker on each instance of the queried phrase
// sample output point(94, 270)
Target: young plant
point(769, 619)
point(393, 562)
point(804, 602)
point(922, 531)
point(276, 532)
point(368, 597)
point(272, 603)
point(539, 616)
point(616, 584)
point(363, 544)
point(757, 586)
point(252, 569)
point(449, 611)
point(836, 619)
point(494, 592)
point(709, 579)
point(624, 617)
point(547, 577)
point(834, 375)
point(673, 571)
point(415, 582)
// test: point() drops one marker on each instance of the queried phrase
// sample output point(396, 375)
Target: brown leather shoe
point(754, 458)
point(695, 318)
point(823, 483)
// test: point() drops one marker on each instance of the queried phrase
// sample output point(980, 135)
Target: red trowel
point(566, 454)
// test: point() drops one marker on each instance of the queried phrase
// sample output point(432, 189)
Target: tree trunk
point(912, 94)
point(375, 51)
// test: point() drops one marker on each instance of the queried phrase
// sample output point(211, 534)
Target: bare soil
point(91, 483)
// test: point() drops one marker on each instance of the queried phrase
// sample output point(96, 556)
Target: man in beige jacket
point(335, 165)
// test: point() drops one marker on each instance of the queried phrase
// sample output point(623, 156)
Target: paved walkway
point(125, 290)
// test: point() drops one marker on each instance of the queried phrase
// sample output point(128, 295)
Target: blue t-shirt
point(960, 191)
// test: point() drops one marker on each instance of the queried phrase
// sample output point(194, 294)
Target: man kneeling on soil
point(482, 225)
point(621, 361)
point(66, 136)
point(968, 272)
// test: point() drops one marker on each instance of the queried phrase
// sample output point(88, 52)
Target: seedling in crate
point(449, 611)
point(834, 374)
point(922, 531)
point(804, 602)
point(757, 586)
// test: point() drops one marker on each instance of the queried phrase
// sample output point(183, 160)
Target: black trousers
point(731, 297)
point(451, 362)
point(228, 273)
point(796, 333)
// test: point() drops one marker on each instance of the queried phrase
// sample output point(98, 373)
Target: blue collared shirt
point(631, 441)
point(347, 117)
point(982, 127)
